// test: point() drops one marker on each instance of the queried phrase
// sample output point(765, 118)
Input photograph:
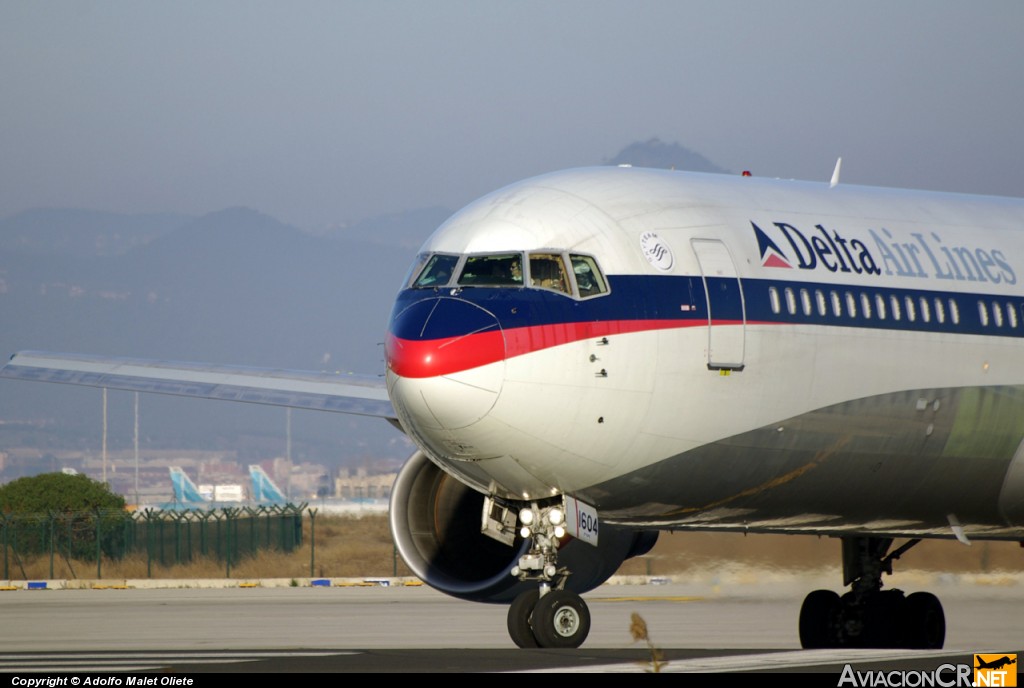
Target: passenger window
point(547, 271)
point(505, 269)
point(1011, 315)
point(940, 311)
point(805, 301)
point(773, 297)
point(819, 298)
point(983, 313)
point(837, 306)
point(911, 314)
point(954, 312)
point(865, 305)
point(589, 278)
point(790, 301)
point(926, 313)
point(997, 313)
point(895, 303)
point(437, 272)
point(851, 305)
point(880, 305)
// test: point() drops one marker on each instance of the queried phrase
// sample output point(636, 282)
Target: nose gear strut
point(550, 615)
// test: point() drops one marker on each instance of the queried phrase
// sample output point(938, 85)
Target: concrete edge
point(730, 578)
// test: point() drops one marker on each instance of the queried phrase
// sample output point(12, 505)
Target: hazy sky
point(327, 112)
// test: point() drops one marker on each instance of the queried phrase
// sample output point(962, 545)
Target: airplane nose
point(446, 362)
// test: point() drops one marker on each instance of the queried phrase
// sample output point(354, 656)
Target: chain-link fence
point(164, 537)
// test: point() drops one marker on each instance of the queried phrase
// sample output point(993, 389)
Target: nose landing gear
point(549, 616)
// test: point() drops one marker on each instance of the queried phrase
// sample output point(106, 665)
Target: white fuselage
point(767, 355)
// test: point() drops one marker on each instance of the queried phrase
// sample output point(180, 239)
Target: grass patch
point(345, 547)
point(361, 547)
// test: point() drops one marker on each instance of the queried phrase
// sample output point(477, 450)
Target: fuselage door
point(727, 318)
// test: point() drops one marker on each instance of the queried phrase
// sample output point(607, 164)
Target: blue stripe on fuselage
point(661, 297)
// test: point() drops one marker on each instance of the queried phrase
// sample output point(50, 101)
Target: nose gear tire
point(561, 619)
point(519, 615)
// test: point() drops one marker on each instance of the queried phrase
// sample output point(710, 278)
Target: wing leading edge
point(362, 395)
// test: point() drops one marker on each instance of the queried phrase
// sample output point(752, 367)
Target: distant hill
point(81, 233)
point(405, 230)
point(234, 286)
point(668, 156)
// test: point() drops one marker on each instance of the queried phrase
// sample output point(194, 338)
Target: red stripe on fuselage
point(434, 357)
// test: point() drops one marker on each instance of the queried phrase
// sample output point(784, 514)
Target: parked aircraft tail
point(263, 488)
point(185, 491)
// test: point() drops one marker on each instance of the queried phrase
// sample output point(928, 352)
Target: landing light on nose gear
point(549, 615)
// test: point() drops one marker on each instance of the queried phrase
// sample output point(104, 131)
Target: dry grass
point(638, 629)
point(362, 547)
point(345, 547)
point(681, 552)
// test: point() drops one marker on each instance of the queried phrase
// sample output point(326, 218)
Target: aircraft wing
point(362, 395)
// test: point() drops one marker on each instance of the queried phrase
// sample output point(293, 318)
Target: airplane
point(996, 663)
point(188, 495)
point(265, 490)
point(185, 491)
point(592, 356)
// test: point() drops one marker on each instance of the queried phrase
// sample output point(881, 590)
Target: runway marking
point(648, 598)
point(768, 661)
point(78, 662)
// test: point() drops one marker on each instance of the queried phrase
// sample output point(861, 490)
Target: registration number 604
point(581, 520)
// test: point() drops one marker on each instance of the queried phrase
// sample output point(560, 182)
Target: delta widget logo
point(771, 255)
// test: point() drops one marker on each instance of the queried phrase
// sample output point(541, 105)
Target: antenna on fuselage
point(835, 174)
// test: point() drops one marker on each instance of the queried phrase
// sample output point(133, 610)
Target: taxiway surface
point(728, 625)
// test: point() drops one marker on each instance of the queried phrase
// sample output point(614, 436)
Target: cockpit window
point(573, 275)
point(438, 271)
point(504, 269)
point(547, 270)
point(588, 276)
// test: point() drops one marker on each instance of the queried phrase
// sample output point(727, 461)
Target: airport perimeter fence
point(164, 537)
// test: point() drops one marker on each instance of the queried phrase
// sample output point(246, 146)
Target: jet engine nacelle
point(435, 522)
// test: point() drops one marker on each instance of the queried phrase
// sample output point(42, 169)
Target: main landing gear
point(867, 616)
point(550, 615)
